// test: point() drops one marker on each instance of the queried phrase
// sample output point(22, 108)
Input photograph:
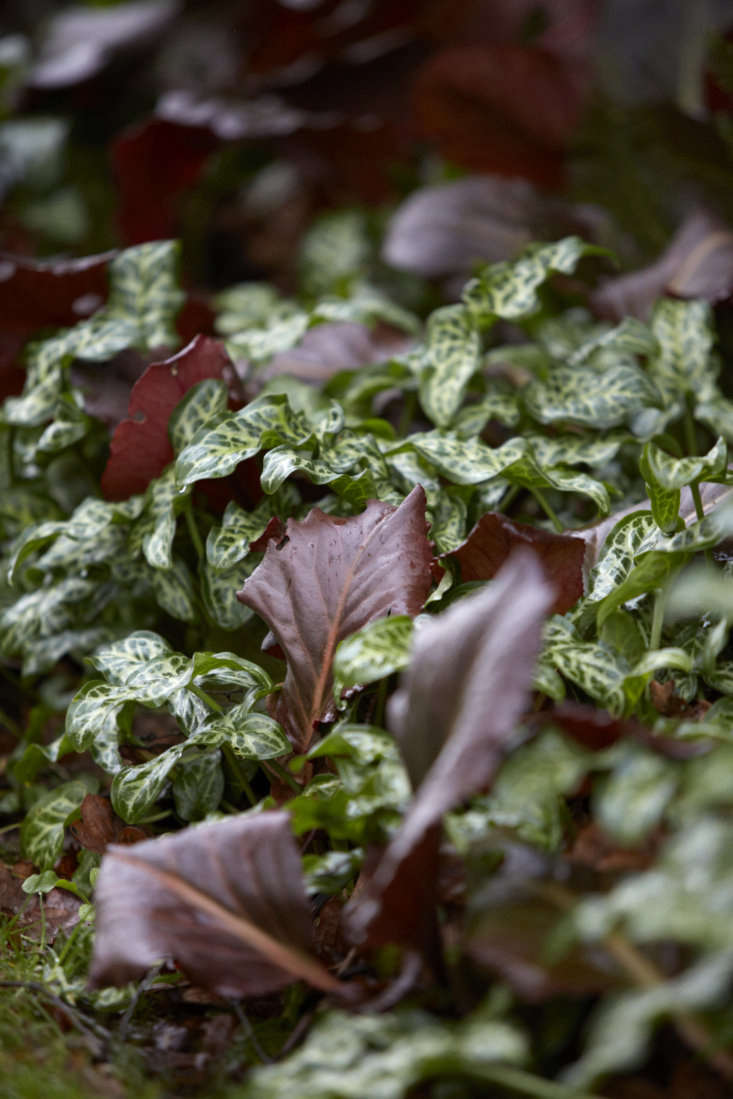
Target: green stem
point(692, 449)
point(539, 497)
point(9, 827)
point(660, 601)
point(407, 414)
point(206, 697)
point(193, 530)
point(525, 1083)
point(508, 497)
point(283, 774)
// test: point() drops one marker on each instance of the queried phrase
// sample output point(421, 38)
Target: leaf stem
point(692, 449)
point(193, 530)
point(646, 975)
point(525, 1083)
point(660, 601)
point(540, 498)
point(206, 697)
point(283, 774)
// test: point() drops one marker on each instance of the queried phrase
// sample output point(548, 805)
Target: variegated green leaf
point(448, 515)
point(673, 473)
point(594, 668)
point(229, 670)
point(126, 662)
point(144, 285)
point(174, 590)
point(377, 650)
point(654, 565)
point(249, 735)
point(716, 412)
point(630, 337)
point(219, 589)
point(509, 290)
point(229, 543)
point(244, 305)
point(135, 790)
point(32, 540)
point(684, 332)
point(281, 333)
point(466, 461)
point(632, 535)
point(217, 451)
point(198, 406)
point(498, 404)
point(43, 613)
point(46, 652)
point(665, 502)
point(42, 831)
point(97, 718)
point(335, 246)
point(452, 355)
point(571, 450)
point(198, 785)
point(157, 526)
point(581, 395)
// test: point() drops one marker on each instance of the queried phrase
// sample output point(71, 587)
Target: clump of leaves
point(498, 504)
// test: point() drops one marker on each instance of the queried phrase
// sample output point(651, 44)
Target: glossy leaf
point(218, 450)
point(371, 653)
point(141, 448)
point(451, 357)
point(42, 832)
point(454, 716)
point(495, 537)
point(685, 335)
point(327, 579)
point(509, 290)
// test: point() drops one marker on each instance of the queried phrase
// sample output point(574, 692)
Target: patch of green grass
point(49, 1047)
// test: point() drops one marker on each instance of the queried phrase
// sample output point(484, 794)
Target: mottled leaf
point(451, 356)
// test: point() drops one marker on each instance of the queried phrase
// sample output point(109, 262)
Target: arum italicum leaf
point(467, 684)
point(225, 901)
point(326, 579)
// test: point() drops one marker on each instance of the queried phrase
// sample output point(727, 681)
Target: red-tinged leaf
point(155, 163)
point(501, 108)
point(510, 922)
point(326, 579)
point(80, 42)
point(494, 538)
point(140, 448)
point(329, 348)
point(597, 729)
point(100, 826)
point(449, 228)
point(225, 901)
point(698, 263)
point(50, 293)
point(455, 713)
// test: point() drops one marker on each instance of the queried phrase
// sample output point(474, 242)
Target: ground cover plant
point(366, 678)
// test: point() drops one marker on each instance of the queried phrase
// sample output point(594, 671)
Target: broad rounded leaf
point(225, 901)
point(326, 579)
